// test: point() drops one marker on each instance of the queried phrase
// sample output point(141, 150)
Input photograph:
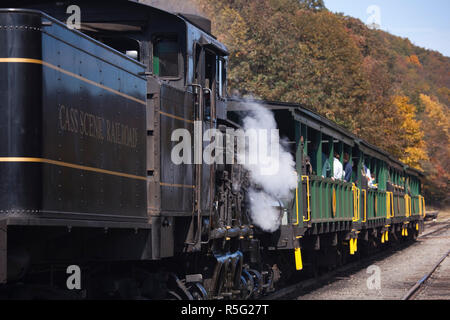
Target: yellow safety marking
point(417, 227)
point(70, 165)
point(298, 259)
point(382, 237)
point(387, 236)
point(49, 65)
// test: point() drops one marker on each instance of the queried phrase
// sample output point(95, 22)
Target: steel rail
point(420, 283)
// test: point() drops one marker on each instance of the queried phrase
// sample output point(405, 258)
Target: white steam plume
point(273, 175)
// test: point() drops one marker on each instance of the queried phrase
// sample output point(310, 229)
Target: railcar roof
point(239, 105)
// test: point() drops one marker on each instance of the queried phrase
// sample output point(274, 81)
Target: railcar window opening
point(128, 46)
point(327, 157)
point(166, 52)
point(356, 157)
point(314, 150)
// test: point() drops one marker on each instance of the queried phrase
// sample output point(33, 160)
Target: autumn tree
point(312, 4)
point(409, 146)
point(370, 82)
point(437, 125)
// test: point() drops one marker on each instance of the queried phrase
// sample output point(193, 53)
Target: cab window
point(165, 57)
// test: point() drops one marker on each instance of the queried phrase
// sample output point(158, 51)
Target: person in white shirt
point(338, 169)
point(370, 180)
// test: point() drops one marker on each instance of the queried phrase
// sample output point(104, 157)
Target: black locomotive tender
point(86, 176)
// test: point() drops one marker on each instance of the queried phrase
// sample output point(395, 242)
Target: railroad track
point(445, 225)
point(305, 285)
point(414, 290)
point(309, 284)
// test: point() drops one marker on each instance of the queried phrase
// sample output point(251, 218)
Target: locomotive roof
point(114, 15)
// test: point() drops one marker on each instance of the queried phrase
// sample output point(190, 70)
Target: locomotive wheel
point(172, 295)
point(197, 291)
point(258, 283)
point(177, 289)
point(248, 285)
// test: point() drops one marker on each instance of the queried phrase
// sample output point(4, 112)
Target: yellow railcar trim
point(334, 202)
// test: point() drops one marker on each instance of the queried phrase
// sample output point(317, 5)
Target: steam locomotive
point(87, 178)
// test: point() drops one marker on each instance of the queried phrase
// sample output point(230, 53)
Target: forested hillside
point(379, 86)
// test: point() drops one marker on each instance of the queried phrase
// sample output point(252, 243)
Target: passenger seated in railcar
point(326, 166)
point(348, 168)
point(389, 184)
point(338, 170)
point(370, 181)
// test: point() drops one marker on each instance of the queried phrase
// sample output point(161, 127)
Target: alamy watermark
point(74, 20)
point(374, 281)
point(74, 279)
point(253, 147)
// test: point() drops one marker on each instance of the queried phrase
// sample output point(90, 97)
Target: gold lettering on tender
point(90, 125)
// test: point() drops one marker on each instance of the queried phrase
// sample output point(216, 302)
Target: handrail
point(365, 205)
point(420, 205)
point(390, 205)
point(408, 209)
point(356, 193)
point(424, 208)
point(296, 206)
point(307, 196)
